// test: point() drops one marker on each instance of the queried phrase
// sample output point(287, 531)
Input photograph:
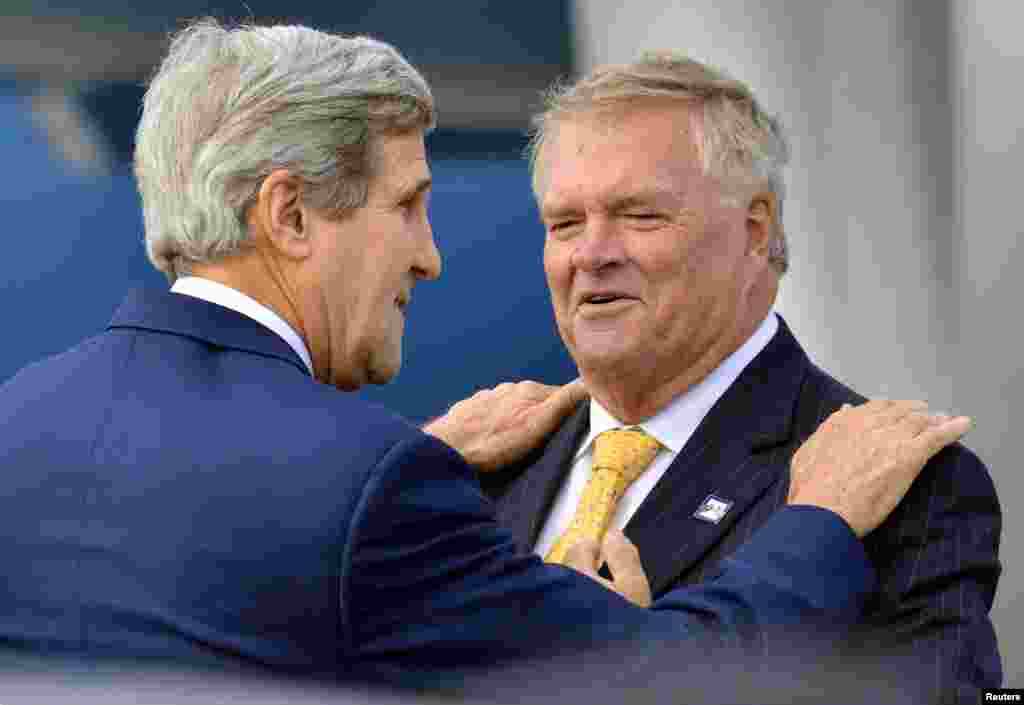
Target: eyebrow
point(421, 186)
point(557, 211)
point(642, 197)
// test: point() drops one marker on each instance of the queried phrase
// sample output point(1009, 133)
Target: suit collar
point(178, 314)
point(757, 409)
point(729, 456)
point(524, 506)
point(228, 297)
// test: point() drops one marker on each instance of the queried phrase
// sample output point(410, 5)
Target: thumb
point(561, 402)
point(568, 395)
point(582, 557)
point(627, 571)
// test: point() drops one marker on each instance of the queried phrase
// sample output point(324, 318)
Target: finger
point(627, 571)
point(909, 426)
point(572, 393)
point(880, 405)
point(537, 391)
point(559, 405)
point(874, 416)
point(582, 556)
point(938, 436)
point(850, 411)
point(872, 405)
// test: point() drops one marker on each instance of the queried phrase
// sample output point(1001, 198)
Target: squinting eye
point(561, 225)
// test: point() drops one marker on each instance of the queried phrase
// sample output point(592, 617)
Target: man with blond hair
point(193, 483)
point(660, 185)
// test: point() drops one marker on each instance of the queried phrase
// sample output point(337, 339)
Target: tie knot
point(627, 451)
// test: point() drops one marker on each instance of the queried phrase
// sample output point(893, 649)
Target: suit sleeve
point(937, 558)
point(430, 581)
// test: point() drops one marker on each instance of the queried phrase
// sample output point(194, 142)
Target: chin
point(384, 369)
point(604, 355)
point(381, 376)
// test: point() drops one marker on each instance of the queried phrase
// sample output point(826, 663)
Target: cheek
point(555, 285)
point(556, 269)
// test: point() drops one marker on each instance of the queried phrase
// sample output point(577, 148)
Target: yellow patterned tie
point(620, 457)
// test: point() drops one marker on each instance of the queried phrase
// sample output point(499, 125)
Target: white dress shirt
point(672, 427)
point(217, 293)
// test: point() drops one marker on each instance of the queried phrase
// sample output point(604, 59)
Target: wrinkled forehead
point(685, 115)
point(398, 156)
point(608, 153)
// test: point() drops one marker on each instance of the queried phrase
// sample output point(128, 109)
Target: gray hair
point(741, 144)
point(228, 106)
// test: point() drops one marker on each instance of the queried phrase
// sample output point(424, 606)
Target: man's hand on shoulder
point(862, 460)
point(496, 427)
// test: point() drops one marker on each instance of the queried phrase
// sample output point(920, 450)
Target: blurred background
point(904, 117)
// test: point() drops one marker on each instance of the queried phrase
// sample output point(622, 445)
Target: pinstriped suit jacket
point(936, 556)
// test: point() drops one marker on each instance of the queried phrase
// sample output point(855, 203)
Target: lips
point(598, 298)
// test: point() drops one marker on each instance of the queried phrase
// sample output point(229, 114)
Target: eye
point(643, 219)
point(410, 203)
point(562, 227)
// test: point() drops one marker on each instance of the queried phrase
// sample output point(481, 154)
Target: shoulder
point(953, 494)
point(955, 483)
point(820, 395)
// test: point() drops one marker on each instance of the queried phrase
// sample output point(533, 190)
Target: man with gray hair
point(660, 185)
point(191, 484)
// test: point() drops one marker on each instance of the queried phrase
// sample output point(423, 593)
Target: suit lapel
point(671, 540)
point(732, 455)
point(524, 506)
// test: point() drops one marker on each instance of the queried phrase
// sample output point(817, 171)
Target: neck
point(245, 272)
point(635, 390)
point(635, 393)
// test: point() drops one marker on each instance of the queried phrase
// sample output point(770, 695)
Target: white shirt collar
point(217, 293)
point(673, 425)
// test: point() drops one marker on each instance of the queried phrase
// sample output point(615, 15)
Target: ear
point(760, 223)
point(279, 217)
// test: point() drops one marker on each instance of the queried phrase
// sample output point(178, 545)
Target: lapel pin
point(713, 509)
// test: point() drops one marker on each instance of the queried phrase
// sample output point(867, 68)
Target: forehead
point(610, 153)
point(399, 158)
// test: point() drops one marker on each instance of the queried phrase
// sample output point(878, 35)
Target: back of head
point(740, 143)
point(227, 106)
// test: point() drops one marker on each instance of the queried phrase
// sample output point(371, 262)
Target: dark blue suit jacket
point(178, 486)
point(936, 556)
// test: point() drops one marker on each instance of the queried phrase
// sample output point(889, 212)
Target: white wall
point(989, 70)
point(889, 172)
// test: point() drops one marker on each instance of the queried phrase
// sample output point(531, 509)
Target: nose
point(597, 247)
point(428, 258)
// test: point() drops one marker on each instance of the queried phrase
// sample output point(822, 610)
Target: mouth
point(600, 305)
point(604, 298)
